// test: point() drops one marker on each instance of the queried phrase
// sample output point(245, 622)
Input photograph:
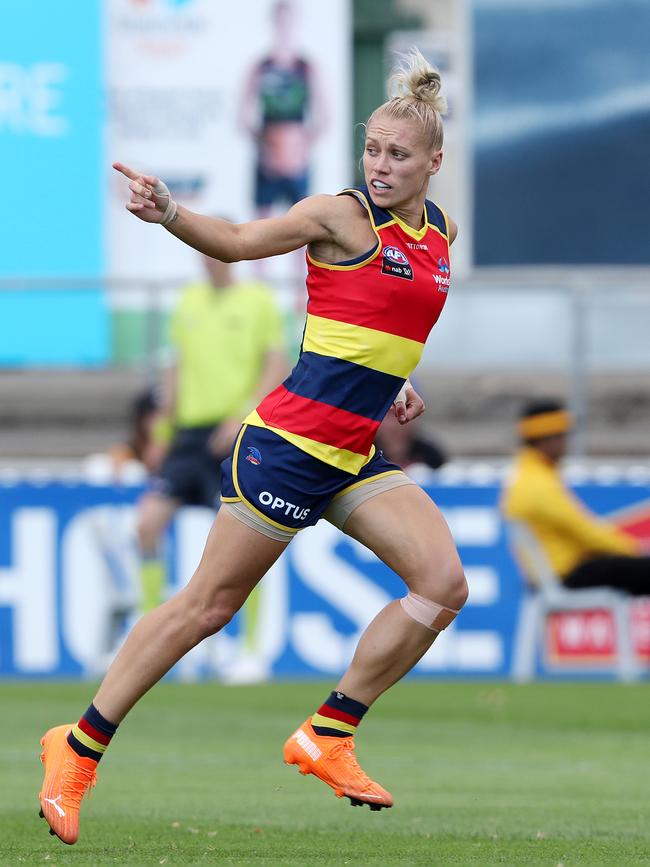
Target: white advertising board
point(184, 103)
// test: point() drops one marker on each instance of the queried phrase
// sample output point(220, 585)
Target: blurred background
point(545, 171)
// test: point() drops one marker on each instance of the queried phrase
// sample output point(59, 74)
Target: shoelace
point(346, 746)
point(78, 781)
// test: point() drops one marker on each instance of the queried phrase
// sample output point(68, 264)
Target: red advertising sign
point(588, 638)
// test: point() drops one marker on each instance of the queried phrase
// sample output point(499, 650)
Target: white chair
point(550, 595)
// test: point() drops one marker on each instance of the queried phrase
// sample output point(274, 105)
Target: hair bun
point(418, 79)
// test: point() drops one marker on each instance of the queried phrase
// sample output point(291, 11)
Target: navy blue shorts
point(285, 486)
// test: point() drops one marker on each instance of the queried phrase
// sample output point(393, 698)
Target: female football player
point(378, 275)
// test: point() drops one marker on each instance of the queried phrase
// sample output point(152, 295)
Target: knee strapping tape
point(426, 612)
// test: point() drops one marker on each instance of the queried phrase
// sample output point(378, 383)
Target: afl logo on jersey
point(443, 265)
point(395, 255)
point(396, 264)
point(254, 456)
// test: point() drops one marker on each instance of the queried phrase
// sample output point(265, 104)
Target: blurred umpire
point(229, 352)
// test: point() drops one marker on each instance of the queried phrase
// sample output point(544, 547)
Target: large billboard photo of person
point(283, 109)
point(245, 114)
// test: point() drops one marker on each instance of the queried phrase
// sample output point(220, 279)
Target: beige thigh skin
point(407, 531)
point(235, 558)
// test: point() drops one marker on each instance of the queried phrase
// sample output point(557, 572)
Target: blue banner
point(51, 132)
point(69, 587)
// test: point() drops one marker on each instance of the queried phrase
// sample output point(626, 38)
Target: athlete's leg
point(234, 560)
point(154, 512)
point(406, 530)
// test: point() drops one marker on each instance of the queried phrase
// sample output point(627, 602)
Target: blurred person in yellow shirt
point(229, 352)
point(583, 549)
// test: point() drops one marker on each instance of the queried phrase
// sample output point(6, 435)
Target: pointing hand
point(150, 199)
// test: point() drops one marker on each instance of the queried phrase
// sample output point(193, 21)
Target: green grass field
point(482, 774)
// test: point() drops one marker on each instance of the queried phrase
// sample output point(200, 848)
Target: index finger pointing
point(127, 172)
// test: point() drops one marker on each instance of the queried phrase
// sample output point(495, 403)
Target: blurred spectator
point(408, 445)
point(229, 350)
point(583, 549)
point(140, 445)
point(130, 461)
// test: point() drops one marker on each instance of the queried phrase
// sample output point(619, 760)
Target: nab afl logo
point(395, 263)
point(395, 255)
point(254, 456)
point(443, 265)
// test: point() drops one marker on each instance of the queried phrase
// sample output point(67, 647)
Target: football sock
point(338, 717)
point(91, 735)
point(251, 616)
point(152, 580)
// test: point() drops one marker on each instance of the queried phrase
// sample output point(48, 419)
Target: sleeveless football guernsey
point(367, 323)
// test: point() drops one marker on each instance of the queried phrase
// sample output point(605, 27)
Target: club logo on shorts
point(254, 456)
point(395, 263)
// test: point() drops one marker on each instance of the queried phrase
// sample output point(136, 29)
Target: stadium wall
point(67, 592)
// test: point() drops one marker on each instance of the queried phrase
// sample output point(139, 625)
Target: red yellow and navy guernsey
point(367, 323)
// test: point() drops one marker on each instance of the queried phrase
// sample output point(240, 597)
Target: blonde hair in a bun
point(414, 93)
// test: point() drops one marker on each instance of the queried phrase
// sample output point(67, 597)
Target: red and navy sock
point(338, 717)
point(91, 735)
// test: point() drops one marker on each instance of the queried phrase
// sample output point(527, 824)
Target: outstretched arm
point(307, 222)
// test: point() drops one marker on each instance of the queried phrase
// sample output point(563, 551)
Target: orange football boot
point(333, 761)
point(68, 777)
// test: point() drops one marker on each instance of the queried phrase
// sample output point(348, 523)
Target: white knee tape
point(426, 612)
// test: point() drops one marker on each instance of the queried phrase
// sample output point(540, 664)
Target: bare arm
point(274, 370)
point(304, 223)
point(309, 221)
point(169, 390)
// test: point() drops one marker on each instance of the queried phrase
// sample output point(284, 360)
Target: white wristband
point(162, 191)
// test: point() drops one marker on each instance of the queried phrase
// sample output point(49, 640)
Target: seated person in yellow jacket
point(583, 549)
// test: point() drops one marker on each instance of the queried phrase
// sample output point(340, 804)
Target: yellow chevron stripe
point(416, 234)
point(344, 459)
point(89, 742)
point(325, 721)
point(378, 350)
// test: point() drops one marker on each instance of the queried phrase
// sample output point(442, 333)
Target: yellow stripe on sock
point(327, 722)
point(89, 742)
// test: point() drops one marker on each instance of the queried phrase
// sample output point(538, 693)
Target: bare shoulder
point(338, 215)
point(453, 229)
point(349, 230)
point(326, 207)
